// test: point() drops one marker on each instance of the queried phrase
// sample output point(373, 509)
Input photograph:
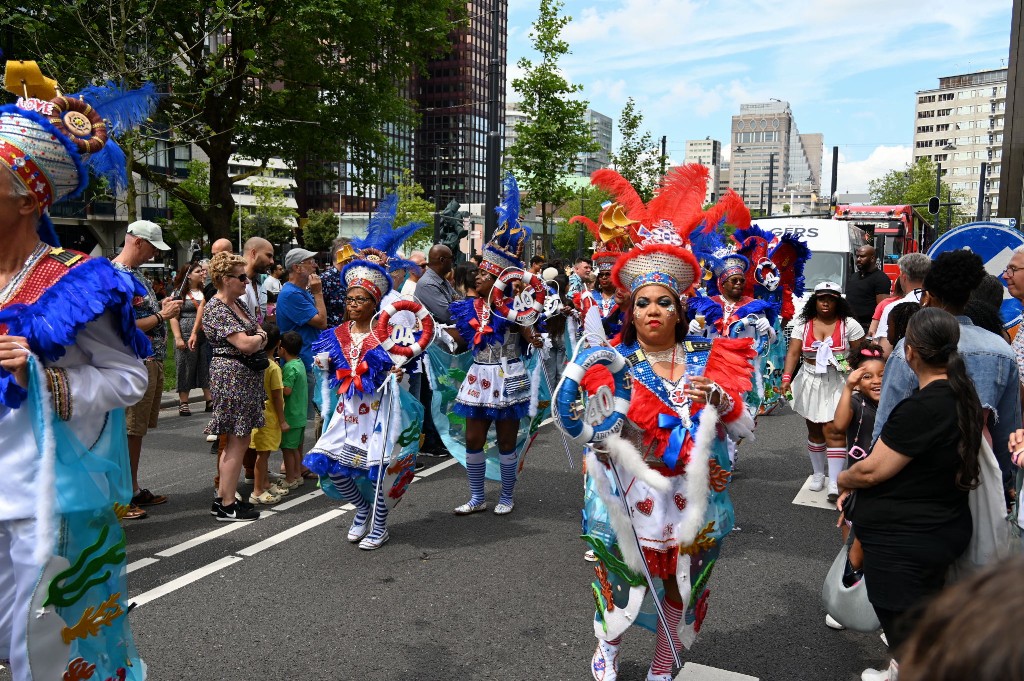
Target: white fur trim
point(535, 386)
point(617, 516)
point(742, 427)
point(698, 474)
point(46, 475)
point(629, 461)
point(325, 398)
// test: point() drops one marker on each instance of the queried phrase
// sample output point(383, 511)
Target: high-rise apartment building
point(450, 143)
point(514, 116)
point(960, 125)
point(707, 152)
point(764, 136)
point(601, 131)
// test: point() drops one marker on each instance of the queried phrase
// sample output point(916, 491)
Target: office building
point(450, 143)
point(764, 136)
point(707, 152)
point(960, 125)
point(601, 131)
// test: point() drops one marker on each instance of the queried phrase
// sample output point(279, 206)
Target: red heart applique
point(680, 501)
point(471, 378)
point(485, 383)
point(645, 506)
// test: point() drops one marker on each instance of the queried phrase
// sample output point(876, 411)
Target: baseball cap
point(297, 255)
point(148, 231)
point(828, 288)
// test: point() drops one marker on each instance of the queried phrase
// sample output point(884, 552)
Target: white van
point(832, 244)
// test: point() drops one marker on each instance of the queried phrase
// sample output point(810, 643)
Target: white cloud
point(855, 175)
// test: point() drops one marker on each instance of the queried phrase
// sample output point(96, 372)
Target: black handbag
point(256, 361)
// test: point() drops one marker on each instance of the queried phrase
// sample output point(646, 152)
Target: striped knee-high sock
point(508, 461)
point(816, 450)
point(380, 517)
point(836, 463)
point(346, 486)
point(663, 662)
point(476, 466)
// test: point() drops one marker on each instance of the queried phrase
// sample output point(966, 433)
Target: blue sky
point(849, 68)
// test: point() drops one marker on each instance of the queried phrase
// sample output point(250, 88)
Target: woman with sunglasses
point(237, 389)
point(823, 340)
point(349, 450)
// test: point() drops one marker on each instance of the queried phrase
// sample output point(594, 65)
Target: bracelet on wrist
point(787, 377)
point(160, 317)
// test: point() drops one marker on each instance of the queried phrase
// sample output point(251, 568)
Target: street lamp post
point(771, 180)
point(760, 206)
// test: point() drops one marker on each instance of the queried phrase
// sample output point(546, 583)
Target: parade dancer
point(670, 466)
point(358, 443)
point(497, 385)
point(610, 234)
point(70, 361)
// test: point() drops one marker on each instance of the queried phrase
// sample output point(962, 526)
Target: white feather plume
point(617, 516)
point(698, 477)
point(629, 461)
point(46, 474)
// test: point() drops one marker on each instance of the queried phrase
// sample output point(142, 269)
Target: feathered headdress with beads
point(610, 232)
point(51, 141)
point(659, 230)
point(377, 252)
point(505, 249)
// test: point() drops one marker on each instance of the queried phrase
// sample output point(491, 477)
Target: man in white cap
point(141, 244)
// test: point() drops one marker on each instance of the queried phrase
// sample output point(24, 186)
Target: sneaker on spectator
point(831, 623)
point(211, 438)
point(234, 513)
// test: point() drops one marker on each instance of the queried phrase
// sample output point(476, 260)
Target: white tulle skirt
point(815, 396)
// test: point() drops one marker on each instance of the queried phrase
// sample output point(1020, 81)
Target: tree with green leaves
point(915, 184)
point(566, 241)
point(637, 158)
point(319, 230)
point(182, 224)
point(273, 219)
point(412, 207)
point(555, 131)
point(296, 79)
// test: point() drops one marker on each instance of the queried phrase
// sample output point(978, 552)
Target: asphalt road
point(462, 598)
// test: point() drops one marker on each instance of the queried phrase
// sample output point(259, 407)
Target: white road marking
point(209, 536)
point(291, 503)
point(698, 672)
point(291, 532)
point(184, 580)
point(435, 469)
point(806, 497)
point(140, 563)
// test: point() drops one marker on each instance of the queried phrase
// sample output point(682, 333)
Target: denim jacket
point(992, 366)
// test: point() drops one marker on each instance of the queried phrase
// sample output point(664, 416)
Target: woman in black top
point(911, 511)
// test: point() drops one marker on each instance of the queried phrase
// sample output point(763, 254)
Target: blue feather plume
point(123, 109)
point(110, 163)
point(383, 236)
point(508, 209)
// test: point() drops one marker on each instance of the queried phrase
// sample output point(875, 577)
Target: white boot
point(605, 664)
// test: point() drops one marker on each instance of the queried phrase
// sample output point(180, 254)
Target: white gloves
point(695, 328)
point(763, 326)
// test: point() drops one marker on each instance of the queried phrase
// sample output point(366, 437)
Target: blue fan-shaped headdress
point(505, 249)
point(377, 251)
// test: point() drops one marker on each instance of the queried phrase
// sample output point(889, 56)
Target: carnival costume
point(63, 594)
point(669, 466)
point(497, 386)
point(373, 422)
point(610, 238)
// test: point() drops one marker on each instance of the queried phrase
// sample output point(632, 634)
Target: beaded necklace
point(15, 284)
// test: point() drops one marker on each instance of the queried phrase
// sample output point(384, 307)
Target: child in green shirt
point(296, 402)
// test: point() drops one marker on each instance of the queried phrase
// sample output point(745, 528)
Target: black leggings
point(897, 625)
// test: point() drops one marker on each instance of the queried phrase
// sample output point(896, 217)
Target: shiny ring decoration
point(83, 123)
point(736, 330)
point(523, 308)
point(767, 274)
point(604, 413)
point(401, 342)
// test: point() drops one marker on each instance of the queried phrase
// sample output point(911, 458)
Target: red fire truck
point(892, 230)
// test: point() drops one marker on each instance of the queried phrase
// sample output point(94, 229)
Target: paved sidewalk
point(170, 399)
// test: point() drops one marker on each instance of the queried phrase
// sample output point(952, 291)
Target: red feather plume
point(731, 208)
point(591, 226)
point(622, 191)
point(680, 198)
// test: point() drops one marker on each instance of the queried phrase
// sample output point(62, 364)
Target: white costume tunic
point(84, 347)
point(819, 383)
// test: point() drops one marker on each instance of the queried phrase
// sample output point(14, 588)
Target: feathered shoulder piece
point(790, 255)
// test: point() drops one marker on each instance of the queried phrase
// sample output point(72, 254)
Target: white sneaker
point(831, 623)
point(817, 482)
point(604, 666)
point(884, 639)
point(371, 543)
point(833, 492)
point(590, 556)
point(651, 676)
point(891, 673)
point(211, 438)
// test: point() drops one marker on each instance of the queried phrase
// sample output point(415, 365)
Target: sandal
point(134, 513)
point(184, 409)
point(209, 407)
point(310, 475)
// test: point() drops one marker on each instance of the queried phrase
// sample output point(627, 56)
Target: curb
point(169, 400)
